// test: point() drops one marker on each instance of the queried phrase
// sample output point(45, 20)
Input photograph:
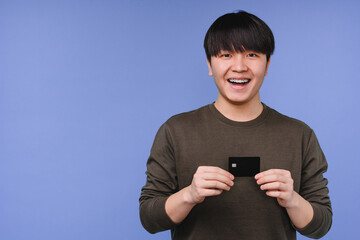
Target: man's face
point(238, 75)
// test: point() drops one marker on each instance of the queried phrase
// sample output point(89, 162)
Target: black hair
point(237, 32)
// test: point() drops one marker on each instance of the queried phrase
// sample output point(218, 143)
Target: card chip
point(244, 166)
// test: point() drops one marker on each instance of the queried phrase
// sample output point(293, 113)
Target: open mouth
point(238, 82)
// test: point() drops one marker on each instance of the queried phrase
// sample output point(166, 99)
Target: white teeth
point(239, 81)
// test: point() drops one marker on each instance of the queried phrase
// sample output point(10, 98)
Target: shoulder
point(179, 127)
point(185, 124)
point(189, 118)
point(286, 123)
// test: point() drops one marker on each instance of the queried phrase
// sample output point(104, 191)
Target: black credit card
point(244, 166)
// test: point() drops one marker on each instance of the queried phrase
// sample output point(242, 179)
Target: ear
point(267, 66)
point(209, 66)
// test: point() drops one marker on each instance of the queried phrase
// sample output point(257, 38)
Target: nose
point(239, 63)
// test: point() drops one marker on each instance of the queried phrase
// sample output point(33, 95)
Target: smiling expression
point(238, 75)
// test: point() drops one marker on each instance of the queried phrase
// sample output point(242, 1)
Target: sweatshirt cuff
point(314, 224)
point(164, 220)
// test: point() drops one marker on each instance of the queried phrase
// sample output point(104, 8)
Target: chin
point(238, 102)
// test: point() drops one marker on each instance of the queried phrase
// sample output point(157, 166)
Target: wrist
point(300, 212)
point(187, 197)
point(295, 201)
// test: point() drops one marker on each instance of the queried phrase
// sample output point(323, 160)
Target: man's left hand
point(278, 183)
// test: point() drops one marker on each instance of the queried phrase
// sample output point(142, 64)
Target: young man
point(189, 188)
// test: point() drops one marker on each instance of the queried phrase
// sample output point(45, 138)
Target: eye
point(224, 54)
point(252, 55)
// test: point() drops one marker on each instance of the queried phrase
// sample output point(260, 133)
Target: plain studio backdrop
point(85, 85)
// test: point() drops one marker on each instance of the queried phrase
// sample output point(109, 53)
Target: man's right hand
point(208, 181)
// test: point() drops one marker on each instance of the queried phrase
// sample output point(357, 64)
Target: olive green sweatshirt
point(204, 137)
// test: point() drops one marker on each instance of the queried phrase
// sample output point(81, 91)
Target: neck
point(239, 112)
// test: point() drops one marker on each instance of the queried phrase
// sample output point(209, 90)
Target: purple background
point(85, 85)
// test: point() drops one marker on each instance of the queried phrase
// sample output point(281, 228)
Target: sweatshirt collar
point(261, 118)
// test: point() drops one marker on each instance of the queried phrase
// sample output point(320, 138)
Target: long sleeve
point(314, 188)
point(161, 183)
point(204, 137)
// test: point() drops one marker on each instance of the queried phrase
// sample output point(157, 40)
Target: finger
point(218, 170)
point(217, 177)
point(277, 194)
point(215, 185)
point(273, 171)
point(211, 169)
point(273, 178)
point(211, 192)
point(276, 186)
point(283, 172)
